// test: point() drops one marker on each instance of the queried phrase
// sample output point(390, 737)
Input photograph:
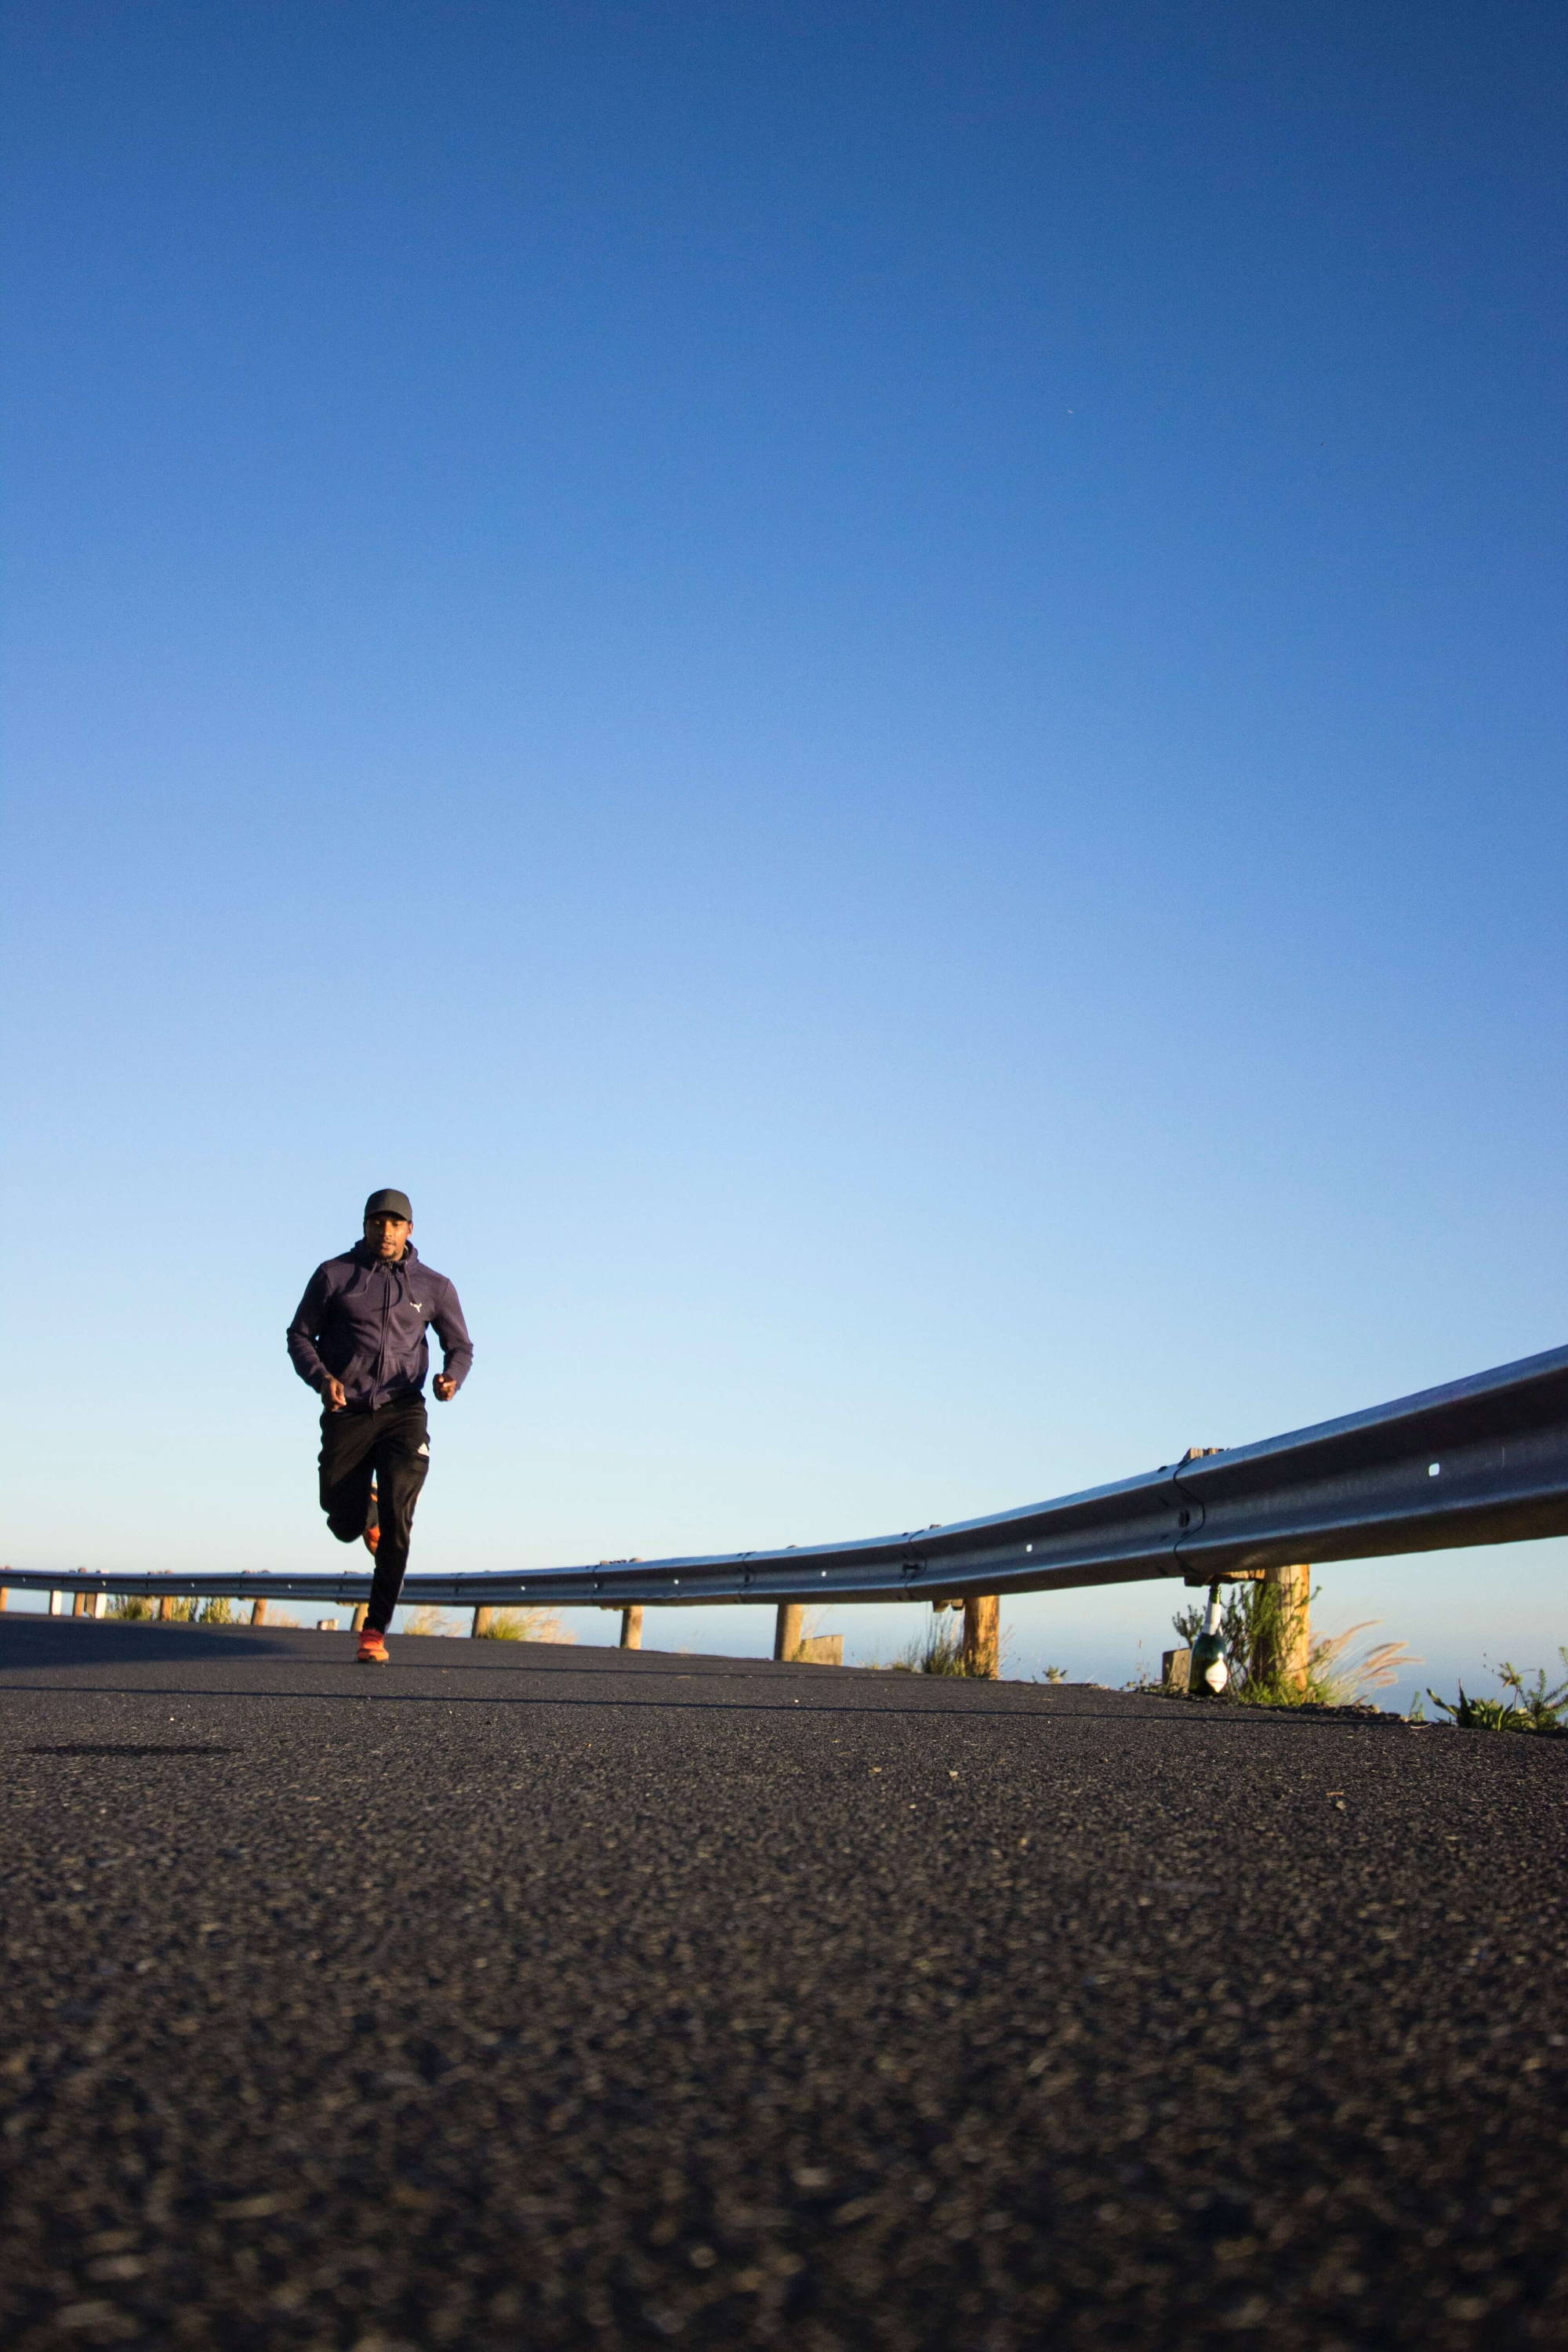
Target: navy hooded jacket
point(363, 1321)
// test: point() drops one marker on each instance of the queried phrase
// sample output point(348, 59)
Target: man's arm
point(456, 1348)
point(302, 1335)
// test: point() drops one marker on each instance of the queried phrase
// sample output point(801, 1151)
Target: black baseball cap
point(389, 1204)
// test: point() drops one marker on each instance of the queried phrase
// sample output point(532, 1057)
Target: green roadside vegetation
point(1253, 1631)
point(138, 1608)
point(1531, 1708)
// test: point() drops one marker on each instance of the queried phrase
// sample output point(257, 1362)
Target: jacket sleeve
point(456, 1348)
point(305, 1330)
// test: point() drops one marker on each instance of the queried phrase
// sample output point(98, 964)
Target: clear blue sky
point(875, 690)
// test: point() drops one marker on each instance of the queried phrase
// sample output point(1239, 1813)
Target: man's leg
point(402, 1459)
point(347, 1466)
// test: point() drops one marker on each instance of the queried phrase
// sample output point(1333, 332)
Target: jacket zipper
point(386, 1273)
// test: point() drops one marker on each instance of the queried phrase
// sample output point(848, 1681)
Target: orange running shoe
point(372, 1651)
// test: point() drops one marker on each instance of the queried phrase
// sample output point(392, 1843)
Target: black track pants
point(391, 1444)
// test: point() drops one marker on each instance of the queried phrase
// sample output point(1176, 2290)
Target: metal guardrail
point(1484, 1460)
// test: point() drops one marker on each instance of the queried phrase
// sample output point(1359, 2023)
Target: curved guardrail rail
point(1484, 1460)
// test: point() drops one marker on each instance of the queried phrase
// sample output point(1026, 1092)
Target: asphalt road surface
point(534, 1997)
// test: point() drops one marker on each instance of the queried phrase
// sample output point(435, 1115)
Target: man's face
point(387, 1236)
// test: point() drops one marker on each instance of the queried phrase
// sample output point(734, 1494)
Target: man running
point(358, 1336)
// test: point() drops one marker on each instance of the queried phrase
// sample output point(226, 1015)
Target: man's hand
point(444, 1386)
point(336, 1395)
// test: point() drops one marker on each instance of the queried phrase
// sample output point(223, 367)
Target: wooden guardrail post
point(631, 1627)
point(788, 1630)
point(356, 1623)
point(79, 1604)
point(165, 1607)
point(482, 1625)
point(1285, 1650)
point(258, 1612)
point(982, 1636)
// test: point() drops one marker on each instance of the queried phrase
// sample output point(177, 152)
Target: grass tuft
point(427, 1619)
point(939, 1651)
point(1535, 1709)
point(525, 1625)
point(139, 1608)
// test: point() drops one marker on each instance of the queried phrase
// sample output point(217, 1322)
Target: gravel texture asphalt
point(537, 1997)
